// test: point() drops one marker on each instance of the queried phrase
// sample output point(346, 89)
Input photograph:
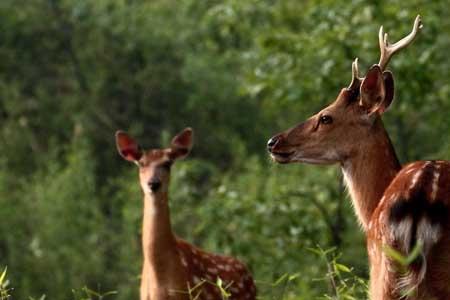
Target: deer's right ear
point(127, 147)
point(373, 91)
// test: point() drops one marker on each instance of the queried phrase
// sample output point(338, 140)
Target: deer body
point(398, 207)
point(413, 209)
point(172, 268)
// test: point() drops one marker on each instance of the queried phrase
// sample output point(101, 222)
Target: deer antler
point(356, 80)
point(387, 50)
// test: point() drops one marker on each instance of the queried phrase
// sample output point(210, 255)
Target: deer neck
point(368, 173)
point(163, 275)
point(158, 240)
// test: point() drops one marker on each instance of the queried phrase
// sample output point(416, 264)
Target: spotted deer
point(173, 267)
point(399, 208)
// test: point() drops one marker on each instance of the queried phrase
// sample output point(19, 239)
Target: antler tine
point(387, 51)
point(355, 76)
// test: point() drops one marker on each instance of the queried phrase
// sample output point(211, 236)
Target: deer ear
point(373, 91)
point(181, 144)
point(127, 147)
point(389, 88)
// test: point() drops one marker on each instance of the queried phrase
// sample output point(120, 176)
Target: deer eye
point(166, 165)
point(325, 119)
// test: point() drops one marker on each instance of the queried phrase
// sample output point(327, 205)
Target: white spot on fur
point(411, 169)
point(212, 270)
point(183, 261)
point(380, 219)
point(434, 186)
point(416, 176)
point(415, 179)
point(394, 197)
point(195, 279)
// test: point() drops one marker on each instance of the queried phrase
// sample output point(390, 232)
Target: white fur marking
point(347, 172)
point(435, 182)
point(428, 234)
point(394, 197)
point(417, 176)
point(212, 270)
point(402, 233)
point(409, 171)
point(183, 261)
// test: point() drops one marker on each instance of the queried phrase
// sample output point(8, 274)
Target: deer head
point(341, 130)
point(154, 165)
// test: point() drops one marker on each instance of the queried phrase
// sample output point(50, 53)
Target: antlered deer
point(398, 207)
point(172, 266)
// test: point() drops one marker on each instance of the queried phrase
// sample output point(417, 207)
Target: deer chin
point(282, 157)
point(326, 160)
point(298, 157)
point(315, 161)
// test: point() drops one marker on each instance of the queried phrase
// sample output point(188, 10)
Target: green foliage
point(343, 284)
point(402, 263)
point(87, 294)
point(72, 72)
point(4, 290)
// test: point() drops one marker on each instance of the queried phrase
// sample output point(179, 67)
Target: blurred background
point(73, 72)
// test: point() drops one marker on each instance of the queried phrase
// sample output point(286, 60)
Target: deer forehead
point(154, 157)
point(346, 104)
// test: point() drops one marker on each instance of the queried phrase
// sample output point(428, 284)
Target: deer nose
point(272, 142)
point(154, 184)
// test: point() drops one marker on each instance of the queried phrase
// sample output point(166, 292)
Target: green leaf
point(342, 268)
point(2, 277)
